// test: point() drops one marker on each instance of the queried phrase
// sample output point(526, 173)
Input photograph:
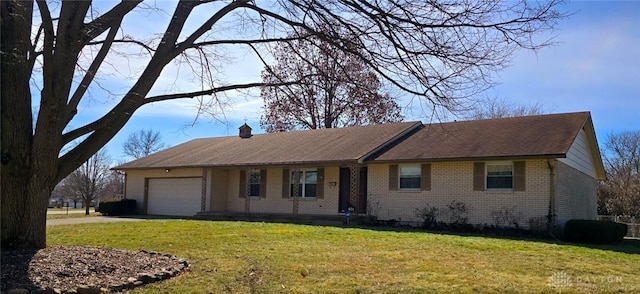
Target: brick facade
point(454, 181)
point(275, 203)
point(575, 193)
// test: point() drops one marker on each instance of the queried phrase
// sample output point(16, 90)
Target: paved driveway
point(93, 219)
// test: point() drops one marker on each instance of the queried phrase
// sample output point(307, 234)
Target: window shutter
point(478, 176)
point(263, 183)
point(425, 177)
point(393, 177)
point(519, 176)
point(285, 183)
point(242, 188)
point(320, 184)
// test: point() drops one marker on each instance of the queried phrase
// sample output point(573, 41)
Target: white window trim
point(303, 170)
point(486, 175)
point(400, 166)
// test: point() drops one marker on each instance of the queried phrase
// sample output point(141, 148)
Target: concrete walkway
point(70, 211)
point(93, 219)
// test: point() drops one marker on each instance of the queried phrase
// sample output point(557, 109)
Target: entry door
point(345, 176)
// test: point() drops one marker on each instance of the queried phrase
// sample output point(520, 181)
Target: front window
point(410, 176)
point(500, 176)
point(304, 183)
point(254, 184)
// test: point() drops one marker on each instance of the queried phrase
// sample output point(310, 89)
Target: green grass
point(242, 257)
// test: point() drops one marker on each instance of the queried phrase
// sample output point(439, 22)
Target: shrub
point(117, 206)
point(428, 215)
point(593, 231)
point(506, 217)
point(457, 211)
point(539, 224)
point(371, 218)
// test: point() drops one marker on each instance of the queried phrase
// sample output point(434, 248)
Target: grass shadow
point(628, 245)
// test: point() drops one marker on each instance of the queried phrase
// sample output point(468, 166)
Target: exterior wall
point(274, 203)
point(136, 178)
point(576, 194)
point(579, 156)
point(454, 181)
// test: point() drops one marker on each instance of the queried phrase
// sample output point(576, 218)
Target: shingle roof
point(528, 136)
point(544, 136)
point(316, 146)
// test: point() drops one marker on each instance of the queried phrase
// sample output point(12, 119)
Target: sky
point(594, 66)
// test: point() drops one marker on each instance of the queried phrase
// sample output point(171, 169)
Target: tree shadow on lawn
point(628, 245)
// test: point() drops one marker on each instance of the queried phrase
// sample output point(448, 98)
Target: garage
point(174, 196)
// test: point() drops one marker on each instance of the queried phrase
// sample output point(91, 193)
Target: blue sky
point(595, 66)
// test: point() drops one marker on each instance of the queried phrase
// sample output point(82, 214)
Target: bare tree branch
point(440, 53)
point(124, 41)
point(142, 143)
point(72, 107)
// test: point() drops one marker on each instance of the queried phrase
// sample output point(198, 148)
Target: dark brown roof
point(529, 136)
point(350, 144)
point(541, 136)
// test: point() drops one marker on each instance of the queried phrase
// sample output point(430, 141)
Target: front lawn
point(251, 257)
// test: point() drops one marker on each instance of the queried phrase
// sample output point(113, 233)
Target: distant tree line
point(619, 194)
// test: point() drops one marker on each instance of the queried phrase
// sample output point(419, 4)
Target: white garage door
point(179, 196)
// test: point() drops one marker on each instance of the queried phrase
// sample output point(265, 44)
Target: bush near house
point(593, 231)
point(117, 207)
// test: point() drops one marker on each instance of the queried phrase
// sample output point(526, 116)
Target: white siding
point(579, 156)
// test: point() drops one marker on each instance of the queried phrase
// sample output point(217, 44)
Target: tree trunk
point(86, 207)
point(24, 195)
point(24, 213)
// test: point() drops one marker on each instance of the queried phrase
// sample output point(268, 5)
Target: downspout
point(124, 186)
point(551, 217)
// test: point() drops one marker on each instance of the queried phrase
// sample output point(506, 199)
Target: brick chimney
point(245, 131)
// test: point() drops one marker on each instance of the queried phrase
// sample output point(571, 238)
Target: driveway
point(70, 211)
point(93, 219)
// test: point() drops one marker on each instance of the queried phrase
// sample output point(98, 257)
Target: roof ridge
point(512, 117)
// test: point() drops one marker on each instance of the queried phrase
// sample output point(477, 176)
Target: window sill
point(499, 191)
point(409, 190)
point(304, 198)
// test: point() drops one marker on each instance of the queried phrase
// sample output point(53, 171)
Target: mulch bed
point(82, 269)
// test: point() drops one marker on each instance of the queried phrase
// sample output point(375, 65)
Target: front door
point(345, 181)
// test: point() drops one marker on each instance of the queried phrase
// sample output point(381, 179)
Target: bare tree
point(89, 181)
point(619, 194)
point(500, 108)
point(115, 185)
point(436, 51)
point(142, 143)
point(336, 88)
